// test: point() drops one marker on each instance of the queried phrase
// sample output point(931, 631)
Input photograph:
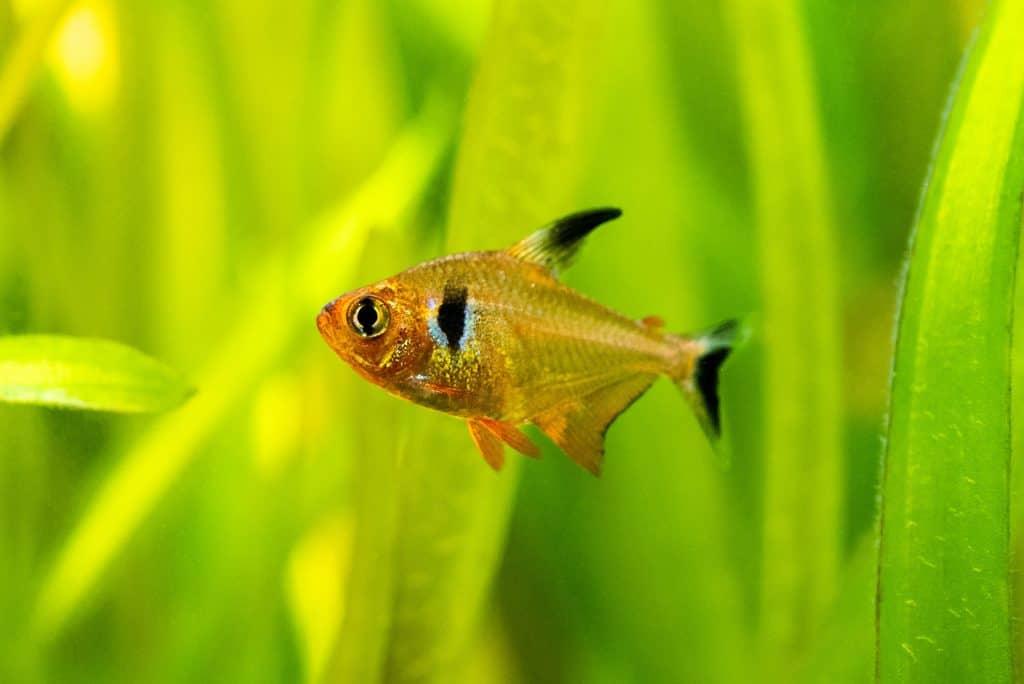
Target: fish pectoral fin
point(511, 435)
point(438, 388)
point(578, 426)
point(554, 245)
point(488, 443)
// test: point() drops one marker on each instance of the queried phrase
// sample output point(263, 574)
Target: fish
point(497, 340)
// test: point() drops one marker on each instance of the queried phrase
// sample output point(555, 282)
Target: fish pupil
point(367, 316)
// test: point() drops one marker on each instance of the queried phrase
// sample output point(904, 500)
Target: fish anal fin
point(487, 442)
point(578, 426)
point(511, 435)
point(554, 246)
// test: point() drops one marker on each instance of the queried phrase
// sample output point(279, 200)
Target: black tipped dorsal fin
point(554, 245)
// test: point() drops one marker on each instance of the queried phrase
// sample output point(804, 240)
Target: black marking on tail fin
point(725, 332)
point(554, 246)
point(700, 383)
point(451, 315)
point(706, 377)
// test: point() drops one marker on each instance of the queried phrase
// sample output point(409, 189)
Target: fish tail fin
point(701, 358)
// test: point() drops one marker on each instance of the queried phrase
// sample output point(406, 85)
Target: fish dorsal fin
point(578, 426)
point(554, 245)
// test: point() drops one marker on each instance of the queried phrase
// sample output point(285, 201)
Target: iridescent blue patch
point(452, 323)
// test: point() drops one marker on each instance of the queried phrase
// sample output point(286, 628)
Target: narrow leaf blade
point(99, 375)
point(23, 59)
point(433, 519)
point(518, 162)
point(800, 327)
point(146, 471)
point(943, 575)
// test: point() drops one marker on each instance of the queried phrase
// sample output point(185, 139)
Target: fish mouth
point(325, 321)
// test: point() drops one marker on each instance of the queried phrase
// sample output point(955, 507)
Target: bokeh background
point(194, 178)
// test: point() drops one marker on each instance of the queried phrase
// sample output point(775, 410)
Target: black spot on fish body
point(451, 315)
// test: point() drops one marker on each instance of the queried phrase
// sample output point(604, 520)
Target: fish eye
point(368, 317)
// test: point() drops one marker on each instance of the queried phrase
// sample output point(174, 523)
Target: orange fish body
point(497, 339)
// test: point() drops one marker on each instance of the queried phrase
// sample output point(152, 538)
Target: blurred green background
point(194, 178)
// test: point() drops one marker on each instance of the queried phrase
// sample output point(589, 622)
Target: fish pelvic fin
point(578, 426)
point(554, 246)
point(702, 356)
point(488, 436)
point(487, 443)
point(510, 435)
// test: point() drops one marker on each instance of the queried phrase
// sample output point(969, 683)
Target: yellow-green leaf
point(800, 328)
point(72, 372)
point(23, 59)
point(433, 516)
point(943, 611)
point(146, 471)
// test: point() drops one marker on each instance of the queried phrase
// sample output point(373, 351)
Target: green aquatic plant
point(802, 456)
point(149, 468)
point(22, 60)
point(432, 521)
point(203, 176)
point(943, 573)
point(99, 375)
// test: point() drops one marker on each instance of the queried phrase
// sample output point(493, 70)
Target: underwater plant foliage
point(193, 487)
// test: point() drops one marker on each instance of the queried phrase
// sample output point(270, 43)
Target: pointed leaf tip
point(89, 374)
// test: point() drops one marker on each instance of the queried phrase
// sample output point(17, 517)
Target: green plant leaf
point(149, 468)
point(433, 518)
point(944, 559)
point(800, 327)
point(518, 165)
point(24, 58)
point(842, 650)
point(99, 375)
